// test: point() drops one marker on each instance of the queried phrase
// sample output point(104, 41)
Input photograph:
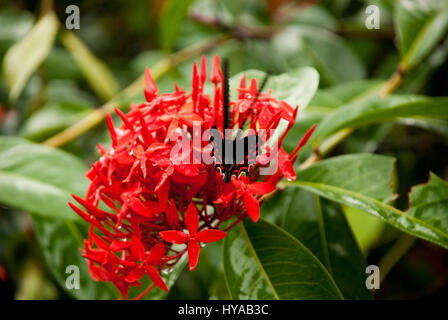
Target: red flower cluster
point(154, 200)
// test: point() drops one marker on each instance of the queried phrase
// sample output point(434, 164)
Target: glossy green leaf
point(366, 228)
point(51, 119)
point(429, 202)
point(296, 87)
point(328, 53)
point(262, 261)
point(39, 179)
point(367, 139)
point(420, 26)
point(321, 226)
point(60, 241)
point(100, 78)
point(375, 109)
point(66, 104)
point(338, 95)
point(23, 58)
point(14, 24)
point(358, 186)
point(367, 174)
point(355, 90)
point(173, 14)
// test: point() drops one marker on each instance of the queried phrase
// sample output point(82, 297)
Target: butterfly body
point(233, 157)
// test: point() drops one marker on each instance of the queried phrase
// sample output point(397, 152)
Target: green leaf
point(39, 179)
point(173, 14)
point(60, 241)
point(367, 174)
point(296, 87)
point(321, 226)
point(375, 109)
point(100, 78)
point(368, 139)
point(14, 24)
point(355, 90)
point(52, 119)
point(328, 53)
point(420, 27)
point(366, 228)
point(362, 186)
point(429, 202)
point(23, 58)
point(262, 261)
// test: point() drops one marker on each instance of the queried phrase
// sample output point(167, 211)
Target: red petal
point(190, 170)
point(171, 214)
point(210, 235)
point(97, 273)
point(113, 134)
point(203, 69)
point(81, 213)
point(216, 74)
point(192, 219)
point(151, 90)
point(285, 165)
point(124, 119)
point(156, 253)
point(189, 118)
point(100, 243)
point(225, 198)
point(162, 194)
point(156, 278)
point(146, 135)
point(137, 248)
point(260, 188)
point(193, 253)
point(173, 126)
point(148, 209)
point(117, 245)
point(252, 206)
point(242, 86)
point(135, 275)
point(303, 141)
point(174, 236)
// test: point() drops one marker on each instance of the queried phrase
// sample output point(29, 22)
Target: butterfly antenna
point(227, 120)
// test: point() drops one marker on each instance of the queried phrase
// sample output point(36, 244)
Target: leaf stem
point(159, 69)
point(395, 253)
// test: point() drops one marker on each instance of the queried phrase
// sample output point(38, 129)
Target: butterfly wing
point(253, 143)
point(217, 142)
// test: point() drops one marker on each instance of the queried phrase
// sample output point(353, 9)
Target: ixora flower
point(156, 208)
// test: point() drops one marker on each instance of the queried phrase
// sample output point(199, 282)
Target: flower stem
point(144, 293)
point(159, 69)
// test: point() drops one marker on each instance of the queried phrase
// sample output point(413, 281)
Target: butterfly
point(233, 157)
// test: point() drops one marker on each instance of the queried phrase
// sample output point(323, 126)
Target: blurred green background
point(118, 39)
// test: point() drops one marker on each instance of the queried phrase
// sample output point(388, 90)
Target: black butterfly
point(233, 157)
